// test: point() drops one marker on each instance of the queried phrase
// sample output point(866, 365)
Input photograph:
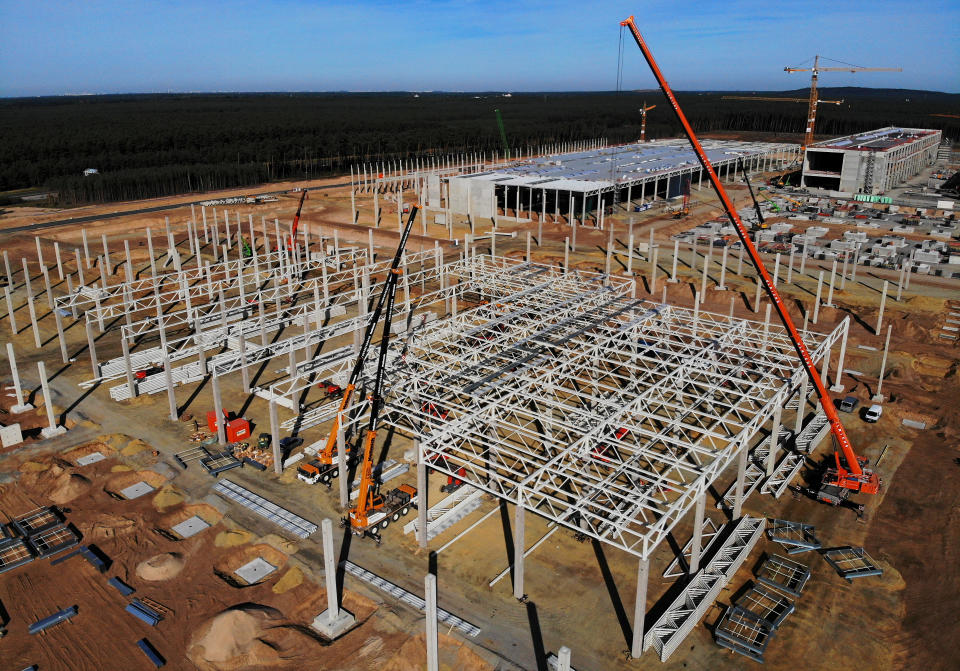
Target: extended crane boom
point(780, 100)
point(756, 205)
point(325, 457)
point(853, 476)
point(369, 500)
point(296, 221)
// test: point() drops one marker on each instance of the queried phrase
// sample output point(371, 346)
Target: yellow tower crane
point(812, 103)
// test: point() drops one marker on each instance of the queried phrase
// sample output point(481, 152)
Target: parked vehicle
point(848, 404)
point(873, 413)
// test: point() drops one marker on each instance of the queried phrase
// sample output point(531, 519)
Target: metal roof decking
point(621, 165)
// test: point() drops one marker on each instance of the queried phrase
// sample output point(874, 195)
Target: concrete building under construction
point(872, 162)
point(577, 184)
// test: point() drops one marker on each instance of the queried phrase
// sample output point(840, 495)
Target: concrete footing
point(51, 431)
point(335, 628)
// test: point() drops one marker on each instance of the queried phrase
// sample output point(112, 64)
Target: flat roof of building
point(882, 139)
point(603, 168)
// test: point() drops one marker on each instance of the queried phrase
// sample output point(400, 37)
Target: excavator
point(850, 473)
point(324, 467)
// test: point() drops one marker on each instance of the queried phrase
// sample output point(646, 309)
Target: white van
point(873, 413)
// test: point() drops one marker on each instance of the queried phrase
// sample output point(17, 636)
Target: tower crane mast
point(643, 121)
point(814, 100)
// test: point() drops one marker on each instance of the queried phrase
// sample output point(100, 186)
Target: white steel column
point(518, 550)
point(640, 607)
point(51, 429)
point(695, 548)
point(430, 596)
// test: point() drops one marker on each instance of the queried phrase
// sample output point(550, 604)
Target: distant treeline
point(154, 145)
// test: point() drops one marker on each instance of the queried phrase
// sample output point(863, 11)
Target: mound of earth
point(248, 636)
point(161, 567)
point(68, 486)
point(110, 526)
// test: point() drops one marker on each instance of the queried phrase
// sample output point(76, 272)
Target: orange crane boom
point(814, 75)
point(325, 457)
point(853, 475)
point(296, 221)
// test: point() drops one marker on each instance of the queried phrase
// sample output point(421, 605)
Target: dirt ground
point(215, 620)
point(580, 594)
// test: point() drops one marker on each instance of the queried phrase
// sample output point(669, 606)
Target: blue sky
point(114, 46)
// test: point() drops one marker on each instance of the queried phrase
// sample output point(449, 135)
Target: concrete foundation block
point(52, 431)
point(332, 630)
point(837, 388)
point(17, 409)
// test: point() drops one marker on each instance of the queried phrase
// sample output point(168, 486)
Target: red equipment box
point(237, 430)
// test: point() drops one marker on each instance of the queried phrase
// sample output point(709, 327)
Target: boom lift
point(324, 468)
point(851, 473)
point(374, 511)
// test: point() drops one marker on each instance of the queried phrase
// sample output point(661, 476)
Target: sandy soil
point(213, 623)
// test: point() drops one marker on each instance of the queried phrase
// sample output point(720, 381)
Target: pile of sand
point(248, 636)
point(67, 486)
point(161, 567)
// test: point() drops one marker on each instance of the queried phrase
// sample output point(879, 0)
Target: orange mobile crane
point(851, 473)
point(374, 511)
point(324, 467)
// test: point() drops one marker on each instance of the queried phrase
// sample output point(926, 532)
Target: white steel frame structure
point(540, 382)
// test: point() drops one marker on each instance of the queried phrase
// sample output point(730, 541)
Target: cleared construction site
point(410, 421)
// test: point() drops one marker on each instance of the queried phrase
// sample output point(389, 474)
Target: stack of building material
point(794, 537)
point(220, 462)
point(851, 562)
point(261, 458)
point(51, 620)
point(783, 574)
point(752, 620)
point(743, 634)
point(141, 610)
